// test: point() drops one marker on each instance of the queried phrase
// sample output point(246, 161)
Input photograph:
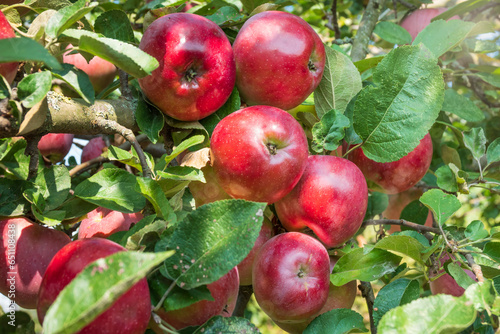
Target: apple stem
point(190, 74)
point(311, 66)
point(272, 148)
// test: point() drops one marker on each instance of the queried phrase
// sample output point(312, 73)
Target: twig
point(407, 4)
point(475, 267)
point(162, 300)
point(244, 296)
point(333, 23)
point(32, 152)
point(367, 293)
point(402, 222)
point(124, 87)
point(87, 165)
point(480, 93)
point(366, 27)
point(445, 238)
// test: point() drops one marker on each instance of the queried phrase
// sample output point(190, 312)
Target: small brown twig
point(333, 23)
point(32, 152)
point(475, 267)
point(244, 295)
point(87, 165)
point(367, 293)
point(124, 87)
point(402, 222)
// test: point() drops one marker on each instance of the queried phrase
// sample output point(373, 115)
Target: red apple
point(93, 149)
point(445, 283)
point(27, 251)
point(331, 199)
point(7, 70)
point(398, 202)
point(196, 73)
point(103, 222)
point(279, 60)
point(397, 176)
point(129, 314)
point(207, 192)
point(55, 146)
point(258, 153)
point(291, 277)
point(421, 18)
point(225, 293)
point(101, 72)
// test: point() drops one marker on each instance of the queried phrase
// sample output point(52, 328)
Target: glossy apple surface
point(7, 70)
point(258, 153)
point(31, 247)
point(330, 199)
point(279, 60)
point(446, 284)
point(129, 314)
point(291, 277)
point(398, 202)
point(421, 18)
point(197, 71)
point(102, 222)
point(207, 192)
point(55, 146)
point(93, 149)
point(397, 176)
point(225, 293)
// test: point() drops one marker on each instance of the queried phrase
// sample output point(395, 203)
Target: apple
point(279, 60)
point(331, 199)
point(101, 72)
point(129, 314)
point(7, 70)
point(421, 18)
point(102, 222)
point(225, 293)
point(197, 72)
point(258, 153)
point(398, 202)
point(397, 176)
point(27, 251)
point(94, 148)
point(55, 146)
point(207, 192)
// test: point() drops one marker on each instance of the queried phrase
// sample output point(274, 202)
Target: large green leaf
point(399, 292)
point(152, 191)
point(26, 49)
point(115, 24)
point(392, 32)
point(402, 245)
point(149, 119)
point(475, 141)
point(33, 88)
point(78, 80)
point(67, 16)
point(54, 184)
point(461, 106)
point(441, 204)
point(337, 321)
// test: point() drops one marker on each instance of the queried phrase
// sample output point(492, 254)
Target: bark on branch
point(367, 293)
point(402, 222)
point(475, 267)
point(366, 27)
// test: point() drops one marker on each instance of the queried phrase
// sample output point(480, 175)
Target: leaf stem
point(162, 300)
point(350, 150)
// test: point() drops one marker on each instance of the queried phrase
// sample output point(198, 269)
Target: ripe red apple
point(27, 251)
point(279, 60)
point(102, 222)
point(446, 284)
point(421, 18)
point(291, 277)
point(207, 192)
point(196, 73)
point(397, 176)
point(101, 72)
point(55, 146)
point(398, 202)
point(93, 149)
point(258, 153)
point(225, 293)
point(331, 199)
point(128, 315)
point(7, 70)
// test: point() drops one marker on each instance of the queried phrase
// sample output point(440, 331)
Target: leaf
point(115, 24)
point(112, 188)
point(117, 154)
point(450, 155)
point(491, 78)
point(493, 152)
point(190, 142)
point(67, 16)
point(329, 131)
point(78, 80)
point(5, 91)
point(415, 235)
point(461, 106)
point(461, 8)
point(23, 323)
point(364, 267)
point(14, 160)
point(476, 231)
point(415, 212)
point(182, 173)
point(442, 205)
point(341, 81)
point(26, 49)
point(475, 141)
point(250, 5)
point(213, 239)
point(153, 193)
point(377, 203)
point(220, 324)
point(232, 104)
point(226, 15)
point(446, 179)
point(392, 33)
point(481, 294)
point(402, 245)
point(54, 184)
point(459, 275)
point(492, 249)
point(33, 88)
point(12, 202)
point(149, 119)
point(103, 281)
point(368, 63)
point(397, 293)
point(393, 115)
point(337, 321)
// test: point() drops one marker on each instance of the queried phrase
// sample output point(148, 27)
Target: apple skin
point(7, 70)
point(225, 293)
point(35, 246)
point(446, 284)
point(197, 72)
point(55, 146)
point(93, 149)
point(258, 153)
point(291, 277)
point(279, 60)
point(398, 202)
point(397, 176)
point(331, 199)
point(130, 313)
point(421, 18)
point(101, 223)
point(207, 192)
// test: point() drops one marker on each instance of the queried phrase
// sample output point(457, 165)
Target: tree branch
point(333, 23)
point(475, 267)
point(244, 296)
point(366, 27)
point(32, 152)
point(367, 293)
point(87, 165)
point(402, 222)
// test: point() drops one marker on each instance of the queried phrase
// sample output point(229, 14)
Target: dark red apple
point(445, 283)
point(93, 149)
point(331, 199)
point(397, 176)
point(207, 192)
point(421, 18)
point(225, 293)
point(279, 60)
point(291, 277)
point(196, 73)
point(7, 70)
point(28, 249)
point(55, 146)
point(102, 222)
point(398, 202)
point(129, 314)
point(258, 153)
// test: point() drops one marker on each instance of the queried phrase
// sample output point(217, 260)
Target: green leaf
point(112, 188)
point(220, 324)
point(415, 235)
point(450, 155)
point(226, 15)
point(13, 158)
point(232, 104)
point(475, 141)
point(153, 193)
point(337, 321)
point(493, 152)
point(103, 281)
point(356, 265)
point(78, 80)
point(329, 131)
point(461, 8)
point(115, 24)
point(125, 56)
point(250, 5)
point(341, 81)
point(397, 293)
point(67, 16)
point(213, 239)
point(190, 142)
point(26, 49)
point(414, 212)
point(492, 249)
point(33, 88)
point(392, 33)
point(54, 184)
point(12, 202)
point(481, 295)
point(73, 36)
point(446, 179)
point(117, 154)
point(460, 275)
point(377, 203)
point(440, 314)
point(23, 323)
point(402, 245)
point(5, 91)
point(368, 63)
point(182, 173)
point(149, 119)
point(476, 231)
point(442, 205)
point(461, 106)
point(392, 116)
point(491, 78)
